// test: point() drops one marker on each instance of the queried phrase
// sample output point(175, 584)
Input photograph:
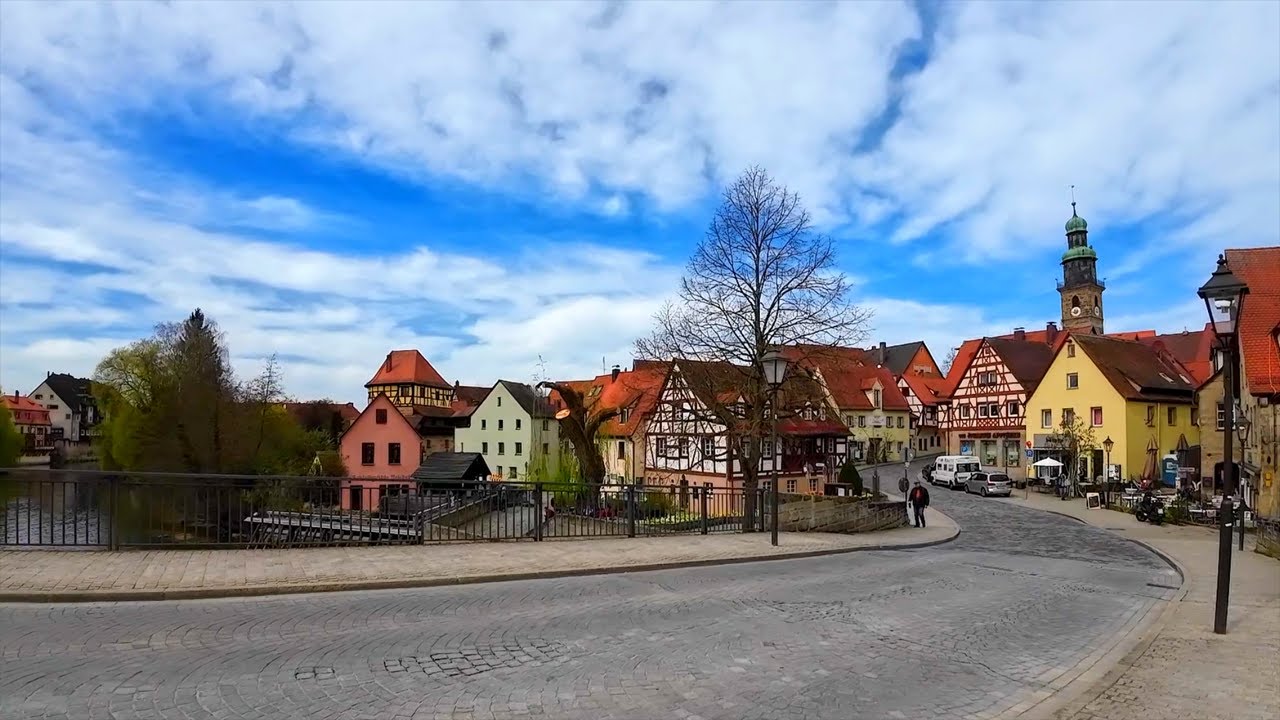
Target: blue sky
point(499, 183)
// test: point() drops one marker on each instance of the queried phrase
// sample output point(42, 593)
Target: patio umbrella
point(1047, 463)
point(1149, 467)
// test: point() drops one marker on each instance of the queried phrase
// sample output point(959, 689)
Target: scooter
point(1150, 509)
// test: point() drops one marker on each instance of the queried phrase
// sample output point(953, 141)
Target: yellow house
point(1134, 394)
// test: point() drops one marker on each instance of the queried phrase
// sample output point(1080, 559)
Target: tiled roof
point(927, 388)
point(69, 388)
point(18, 402)
point(635, 390)
point(1260, 269)
point(1137, 370)
point(529, 399)
point(1192, 348)
point(722, 383)
point(449, 467)
point(407, 366)
point(1027, 360)
point(964, 356)
point(850, 376)
point(467, 398)
point(896, 357)
point(348, 411)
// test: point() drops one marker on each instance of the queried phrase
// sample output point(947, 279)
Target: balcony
point(1101, 283)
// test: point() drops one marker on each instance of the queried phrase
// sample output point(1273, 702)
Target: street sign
point(902, 485)
point(1028, 453)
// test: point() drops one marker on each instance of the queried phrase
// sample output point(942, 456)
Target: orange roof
point(850, 377)
point(926, 387)
point(16, 403)
point(635, 390)
point(407, 366)
point(1193, 349)
point(1260, 319)
point(964, 356)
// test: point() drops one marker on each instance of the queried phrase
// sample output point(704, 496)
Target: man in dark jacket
point(919, 499)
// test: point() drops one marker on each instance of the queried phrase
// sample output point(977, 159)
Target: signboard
point(1028, 453)
point(902, 485)
point(877, 421)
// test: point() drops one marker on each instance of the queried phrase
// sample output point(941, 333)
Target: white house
point(515, 429)
point(73, 413)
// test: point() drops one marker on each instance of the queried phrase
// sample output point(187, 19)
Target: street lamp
point(1223, 296)
point(1242, 431)
point(1106, 474)
point(775, 368)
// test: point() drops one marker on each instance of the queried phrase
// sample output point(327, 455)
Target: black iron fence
point(96, 509)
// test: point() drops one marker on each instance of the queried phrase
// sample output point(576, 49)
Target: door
point(355, 501)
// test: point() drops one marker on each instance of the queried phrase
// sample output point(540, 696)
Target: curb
point(91, 596)
point(1074, 695)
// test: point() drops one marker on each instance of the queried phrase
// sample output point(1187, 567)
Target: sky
point(515, 188)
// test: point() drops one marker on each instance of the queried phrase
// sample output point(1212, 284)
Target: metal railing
point(111, 510)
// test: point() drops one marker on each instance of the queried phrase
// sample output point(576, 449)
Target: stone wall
point(819, 513)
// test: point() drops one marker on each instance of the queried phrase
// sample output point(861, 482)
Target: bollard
point(631, 511)
point(703, 495)
point(542, 512)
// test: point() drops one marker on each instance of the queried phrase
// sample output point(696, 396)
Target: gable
point(368, 417)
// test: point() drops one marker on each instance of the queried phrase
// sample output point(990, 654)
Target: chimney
point(48, 374)
point(1050, 332)
point(882, 353)
point(387, 364)
point(613, 376)
point(1019, 333)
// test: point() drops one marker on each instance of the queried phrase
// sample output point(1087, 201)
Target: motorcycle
point(1150, 509)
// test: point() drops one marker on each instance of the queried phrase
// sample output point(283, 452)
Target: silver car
point(987, 484)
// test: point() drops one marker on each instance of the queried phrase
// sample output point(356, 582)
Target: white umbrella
point(1047, 462)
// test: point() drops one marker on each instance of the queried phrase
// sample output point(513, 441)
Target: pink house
point(381, 450)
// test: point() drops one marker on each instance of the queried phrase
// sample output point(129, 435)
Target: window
point(1195, 416)
point(791, 486)
point(622, 449)
point(994, 411)
point(708, 448)
point(502, 448)
point(499, 401)
point(1173, 416)
point(393, 453)
point(499, 424)
point(682, 447)
point(900, 421)
point(39, 396)
point(484, 424)
point(380, 416)
point(517, 423)
point(1095, 416)
point(68, 416)
point(1222, 417)
point(987, 378)
point(1068, 416)
point(1014, 409)
point(512, 473)
point(1073, 381)
point(1071, 349)
point(366, 453)
point(660, 447)
point(876, 397)
point(53, 406)
point(862, 421)
point(484, 448)
point(1151, 415)
point(545, 447)
point(519, 448)
point(544, 426)
point(1046, 418)
point(982, 410)
point(965, 411)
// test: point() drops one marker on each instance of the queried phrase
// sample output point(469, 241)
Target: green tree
point(1075, 440)
point(11, 440)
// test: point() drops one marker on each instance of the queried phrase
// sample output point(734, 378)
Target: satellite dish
point(562, 414)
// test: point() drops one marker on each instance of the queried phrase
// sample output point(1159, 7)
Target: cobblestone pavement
point(963, 630)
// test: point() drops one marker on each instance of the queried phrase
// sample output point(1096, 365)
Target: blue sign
point(1169, 470)
point(1029, 456)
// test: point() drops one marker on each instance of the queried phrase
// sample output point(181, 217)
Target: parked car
point(953, 470)
point(989, 483)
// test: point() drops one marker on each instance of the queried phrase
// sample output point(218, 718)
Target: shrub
point(849, 476)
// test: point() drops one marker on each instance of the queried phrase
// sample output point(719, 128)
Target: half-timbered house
point(695, 433)
point(985, 408)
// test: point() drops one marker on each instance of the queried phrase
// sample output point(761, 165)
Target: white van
point(954, 470)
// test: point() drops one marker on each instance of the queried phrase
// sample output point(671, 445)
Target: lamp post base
point(1225, 515)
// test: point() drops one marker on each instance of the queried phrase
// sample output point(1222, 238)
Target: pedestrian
point(919, 499)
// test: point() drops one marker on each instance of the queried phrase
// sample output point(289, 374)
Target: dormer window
point(624, 415)
point(876, 397)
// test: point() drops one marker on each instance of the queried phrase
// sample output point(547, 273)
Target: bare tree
point(761, 277)
point(1075, 440)
point(951, 359)
point(581, 424)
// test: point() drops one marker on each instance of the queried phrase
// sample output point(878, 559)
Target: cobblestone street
point(963, 630)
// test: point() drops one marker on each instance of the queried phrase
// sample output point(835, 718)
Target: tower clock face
point(1097, 311)
point(1075, 312)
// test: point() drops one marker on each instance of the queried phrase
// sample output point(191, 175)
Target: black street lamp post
point(1106, 473)
point(1223, 297)
point(1242, 430)
point(775, 369)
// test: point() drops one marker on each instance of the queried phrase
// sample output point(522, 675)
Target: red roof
point(636, 391)
point(407, 366)
point(466, 398)
point(1260, 319)
point(1191, 348)
point(849, 376)
point(926, 387)
point(19, 403)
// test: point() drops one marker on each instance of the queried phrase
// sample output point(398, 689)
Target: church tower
point(1080, 288)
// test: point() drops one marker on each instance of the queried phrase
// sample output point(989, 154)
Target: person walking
point(919, 499)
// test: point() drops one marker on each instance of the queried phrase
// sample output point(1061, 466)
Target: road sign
point(1028, 453)
point(902, 485)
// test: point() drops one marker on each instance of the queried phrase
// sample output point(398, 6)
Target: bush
point(849, 476)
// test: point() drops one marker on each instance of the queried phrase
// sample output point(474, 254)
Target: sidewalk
point(1180, 669)
point(83, 576)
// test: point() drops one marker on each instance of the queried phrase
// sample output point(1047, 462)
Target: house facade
point(694, 436)
point(985, 409)
point(381, 450)
point(73, 412)
point(867, 398)
point(1131, 392)
point(515, 430)
point(32, 422)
